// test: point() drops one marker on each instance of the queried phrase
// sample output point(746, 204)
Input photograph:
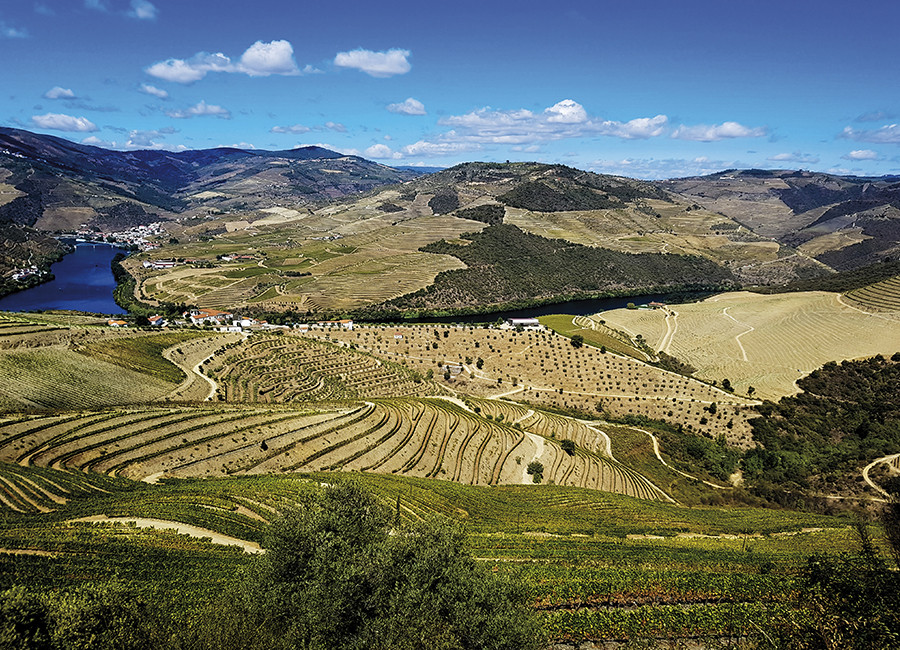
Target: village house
point(208, 316)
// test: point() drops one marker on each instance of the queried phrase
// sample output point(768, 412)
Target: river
point(83, 282)
point(573, 307)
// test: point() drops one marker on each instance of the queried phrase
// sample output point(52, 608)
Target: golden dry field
point(764, 341)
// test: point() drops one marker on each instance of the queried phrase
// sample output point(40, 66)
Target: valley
point(659, 473)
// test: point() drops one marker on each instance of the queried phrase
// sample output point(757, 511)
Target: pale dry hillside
point(767, 342)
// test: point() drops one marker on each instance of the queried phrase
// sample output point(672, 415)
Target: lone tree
point(577, 340)
point(335, 575)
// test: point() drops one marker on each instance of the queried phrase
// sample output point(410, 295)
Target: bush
point(336, 576)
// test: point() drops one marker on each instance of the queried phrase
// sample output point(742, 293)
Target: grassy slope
point(143, 354)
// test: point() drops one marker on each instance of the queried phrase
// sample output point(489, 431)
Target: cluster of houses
point(137, 236)
point(226, 321)
point(25, 273)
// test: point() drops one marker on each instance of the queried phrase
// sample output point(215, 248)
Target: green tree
point(107, 617)
point(536, 469)
point(577, 340)
point(24, 621)
point(335, 575)
point(567, 446)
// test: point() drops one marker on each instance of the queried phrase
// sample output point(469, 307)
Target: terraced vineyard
point(881, 296)
point(288, 368)
point(429, 438)
point(544, 368)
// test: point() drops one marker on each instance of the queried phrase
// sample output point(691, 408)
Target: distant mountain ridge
point(170, 180)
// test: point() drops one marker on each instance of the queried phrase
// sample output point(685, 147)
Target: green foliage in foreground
point(336, 576)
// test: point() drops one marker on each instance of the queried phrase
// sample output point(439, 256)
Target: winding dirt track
point(181, 529)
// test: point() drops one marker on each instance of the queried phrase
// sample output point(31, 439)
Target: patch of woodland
point(490, 213)
point(506, 265)
point(846, 415)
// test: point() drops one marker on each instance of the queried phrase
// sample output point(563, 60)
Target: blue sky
point(643, 88)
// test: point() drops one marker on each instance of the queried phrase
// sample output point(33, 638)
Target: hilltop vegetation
point(506, 266)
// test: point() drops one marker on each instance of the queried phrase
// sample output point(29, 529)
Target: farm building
point(524, 323)
point(346, 323)
point(117, 323)
point(208, 316)
point(157, 321)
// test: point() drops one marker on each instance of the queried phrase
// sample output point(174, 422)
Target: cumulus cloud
point(335, 126)
point(889, 134)
point(375, 64)
point(295, 129)
point(427, 149)
point(861, 154)
point(143, 10)
point(409, 106)
point(159, 93)
point(199, 110)
point(565, 119)
point(716, 132)
point(795, 157)
point(381, 152)
point(264, 59)
point(58, 92)
point(566, 112)
point(60, 122)
point(259, 60)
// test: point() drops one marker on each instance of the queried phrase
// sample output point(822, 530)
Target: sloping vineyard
point(881, 296)
point(427, 438)
point(287, 368)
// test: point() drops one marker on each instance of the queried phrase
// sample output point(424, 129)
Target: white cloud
point(653, 168)
point(94, 141)
point(640, 128)
point(60, 122)
point(8, 31)
point(335, 126)
point(889, 134)
point(425, 148)
point(296, 128)
point(324, 145)
point(159, 93)
point(409, 106)
point(795, 157)
point(259, 60)
point(201, 109)
point(143, 10)
point(566, 112)
point(716, 132)
point(565, 119)
point(264, 59)
point(375, 64)
point(97, 5)
point(380, 152)
point(861, 154)
point(59, 93)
